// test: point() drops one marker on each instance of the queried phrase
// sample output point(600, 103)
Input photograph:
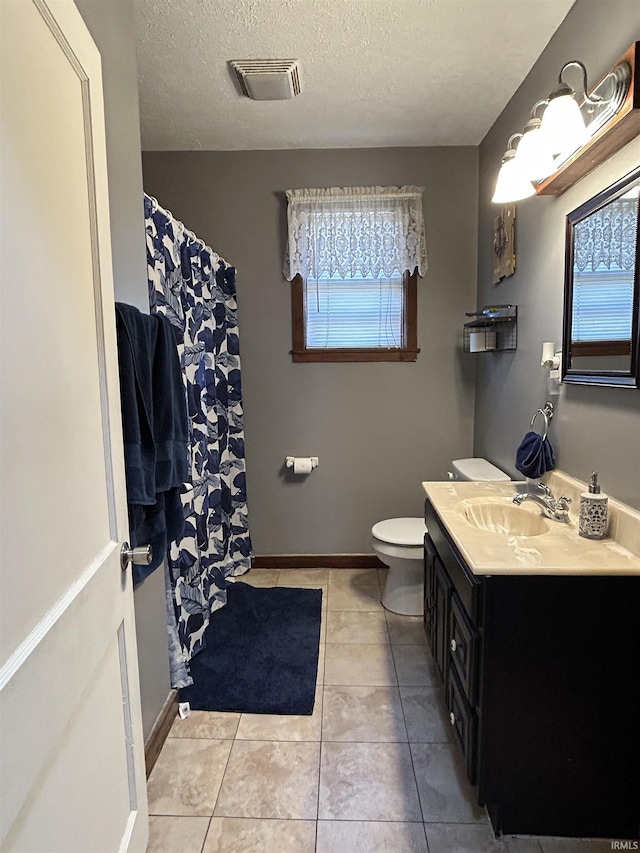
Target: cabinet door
point(442, 598)
point(463, 720)
point(463, 646)
point(429, 580)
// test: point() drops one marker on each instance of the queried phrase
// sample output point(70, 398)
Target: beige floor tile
point(415, 666)
point(343, 598)
point(321, 664)
point(372, 714)
point(261, 577)
point(479, 838)
point(350, 576)
point(187, 776)
point(314, 578)
point(367, 781)
point(212, 724)
point(323, 622)
point(368, 626)
point(357, 836)
point(353, 664)
point(445, 793)
point(406, 630)
point(283, 727)
point(382, 578)
point(425, 714)
point(251, 835)
point(270, 779)
point(353, 589)
point(168, 834)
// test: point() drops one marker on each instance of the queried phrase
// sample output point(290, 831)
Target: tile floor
point(372, 770)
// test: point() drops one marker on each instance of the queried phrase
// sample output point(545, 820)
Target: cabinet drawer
point(463, 649)
point(463, 722)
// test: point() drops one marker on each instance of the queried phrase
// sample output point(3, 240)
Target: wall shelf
point(495, 329)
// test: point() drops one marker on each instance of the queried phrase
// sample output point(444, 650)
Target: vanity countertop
point(560, 550)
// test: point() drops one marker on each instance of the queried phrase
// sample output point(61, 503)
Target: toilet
point(399, 544)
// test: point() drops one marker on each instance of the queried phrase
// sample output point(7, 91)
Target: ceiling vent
point(268, 79)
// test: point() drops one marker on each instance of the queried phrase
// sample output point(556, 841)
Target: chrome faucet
point(555, 508)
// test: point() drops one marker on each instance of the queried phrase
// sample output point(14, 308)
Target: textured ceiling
point(375, 73)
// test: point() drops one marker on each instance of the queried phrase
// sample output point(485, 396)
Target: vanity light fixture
point(533, 156)
point(557, 139)
point(512, 184)
point(563, 127)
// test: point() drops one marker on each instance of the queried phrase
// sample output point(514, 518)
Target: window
point(358, 319)
point(353, 257)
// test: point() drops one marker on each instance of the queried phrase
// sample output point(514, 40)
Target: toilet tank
point(476, 468)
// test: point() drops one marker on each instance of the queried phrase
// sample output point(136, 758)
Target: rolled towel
point(535, 456)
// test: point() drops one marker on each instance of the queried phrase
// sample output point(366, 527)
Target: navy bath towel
point(155, 428)
point(535, 456)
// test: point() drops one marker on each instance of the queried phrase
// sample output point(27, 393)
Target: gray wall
point(111, 26)
point(378, 429)
point(594, 428)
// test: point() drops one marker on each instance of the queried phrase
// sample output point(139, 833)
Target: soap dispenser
point(593, 519)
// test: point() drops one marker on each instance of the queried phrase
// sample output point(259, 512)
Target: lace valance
point(607, 238)
point(355, 231)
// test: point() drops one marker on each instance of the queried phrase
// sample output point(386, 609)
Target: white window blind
point(602, 305)
point(359, 312)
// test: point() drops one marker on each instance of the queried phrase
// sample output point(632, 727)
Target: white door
point(72, 763)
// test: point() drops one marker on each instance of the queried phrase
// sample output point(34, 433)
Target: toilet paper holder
point(291, 460)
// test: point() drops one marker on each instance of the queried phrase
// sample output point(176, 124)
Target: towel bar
point(547, 414)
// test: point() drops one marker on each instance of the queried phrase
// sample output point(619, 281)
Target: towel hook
point(547, 413)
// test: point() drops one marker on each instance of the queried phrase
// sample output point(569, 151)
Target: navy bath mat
point(261, 654)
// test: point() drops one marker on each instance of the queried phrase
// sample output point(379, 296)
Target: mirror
point(601, 292)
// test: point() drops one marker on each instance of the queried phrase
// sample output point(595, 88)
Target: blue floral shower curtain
point(195, 290)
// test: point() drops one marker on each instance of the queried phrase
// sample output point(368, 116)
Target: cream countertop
point(558, 551)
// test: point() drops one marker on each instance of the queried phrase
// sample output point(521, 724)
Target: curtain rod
point(341, 197)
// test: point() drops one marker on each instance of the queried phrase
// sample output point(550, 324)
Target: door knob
point(141, 556)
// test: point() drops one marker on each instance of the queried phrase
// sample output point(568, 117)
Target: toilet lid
point(400, 531)
point(477, 469)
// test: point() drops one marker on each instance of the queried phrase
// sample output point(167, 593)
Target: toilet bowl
point(399, 544)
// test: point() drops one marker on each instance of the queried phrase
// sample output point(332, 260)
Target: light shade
point(511, 185)
point(562, 124)
point(533, 155)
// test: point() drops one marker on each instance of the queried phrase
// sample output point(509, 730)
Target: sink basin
point(503, 517)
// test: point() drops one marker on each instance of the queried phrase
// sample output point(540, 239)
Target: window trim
point(617, 347)
point(408, 352)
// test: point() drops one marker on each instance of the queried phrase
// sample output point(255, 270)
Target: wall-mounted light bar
point(550, 155)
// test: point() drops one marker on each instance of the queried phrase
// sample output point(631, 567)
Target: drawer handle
point(453, 645)
point(452, 718)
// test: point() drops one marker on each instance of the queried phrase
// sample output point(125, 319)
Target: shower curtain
point(195, 289)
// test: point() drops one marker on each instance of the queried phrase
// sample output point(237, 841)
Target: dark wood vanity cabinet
point(542, 685)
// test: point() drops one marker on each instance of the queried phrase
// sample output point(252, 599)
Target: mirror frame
point(615, 378)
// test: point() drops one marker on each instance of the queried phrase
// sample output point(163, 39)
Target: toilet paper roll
point(302, 465)
point(482, 341)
